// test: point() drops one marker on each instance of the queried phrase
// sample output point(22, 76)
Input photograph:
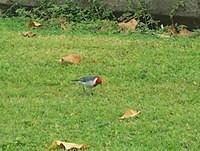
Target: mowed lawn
point(39, 103)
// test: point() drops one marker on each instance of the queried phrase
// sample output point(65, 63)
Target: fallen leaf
point(130, 113)
point(67, 146)
point(130, 25)
point(171, 29)
point(71, 59)
point(34, 24)
point(28, 34)
point(184, 32)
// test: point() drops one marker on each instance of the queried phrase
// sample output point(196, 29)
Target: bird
point(89, 81)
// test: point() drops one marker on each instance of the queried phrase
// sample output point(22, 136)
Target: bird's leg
point(92, 92)
point(84, 89)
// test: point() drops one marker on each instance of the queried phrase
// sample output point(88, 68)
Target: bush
point(70, 11)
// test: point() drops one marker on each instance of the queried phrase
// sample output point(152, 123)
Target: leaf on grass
point(67, 146)
point(171, 29)
point(28, 34)
point(34, 24)
point(184, 32)
point(130, 25)
point(71, 59)
point(130, 113)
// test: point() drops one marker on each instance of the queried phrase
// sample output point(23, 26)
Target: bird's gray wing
point(87, 78)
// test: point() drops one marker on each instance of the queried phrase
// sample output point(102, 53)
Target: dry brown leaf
point(171, 29)
point(130, 113)
point(71, 59)
point(67, 146)
point(34, 24)
point(184, 32)
point(28, 34)
point(130, 25)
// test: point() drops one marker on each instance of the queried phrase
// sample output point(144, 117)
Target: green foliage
point(141, 14)
point(179, 4)
point(145, 19)
point(92, 11)
point(70, 11)
point(11, 11)
point(97, 26)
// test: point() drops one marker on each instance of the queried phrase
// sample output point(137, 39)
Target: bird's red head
point(99, 80)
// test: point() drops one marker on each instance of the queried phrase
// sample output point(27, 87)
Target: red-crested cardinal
point(89, 81)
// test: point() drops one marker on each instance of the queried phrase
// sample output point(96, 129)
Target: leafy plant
point(141, 14)
point(179, 4)
point(97, 26)
point(70, 11)
point(11, 11)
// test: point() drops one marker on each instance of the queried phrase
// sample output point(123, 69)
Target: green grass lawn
point(40, 104)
